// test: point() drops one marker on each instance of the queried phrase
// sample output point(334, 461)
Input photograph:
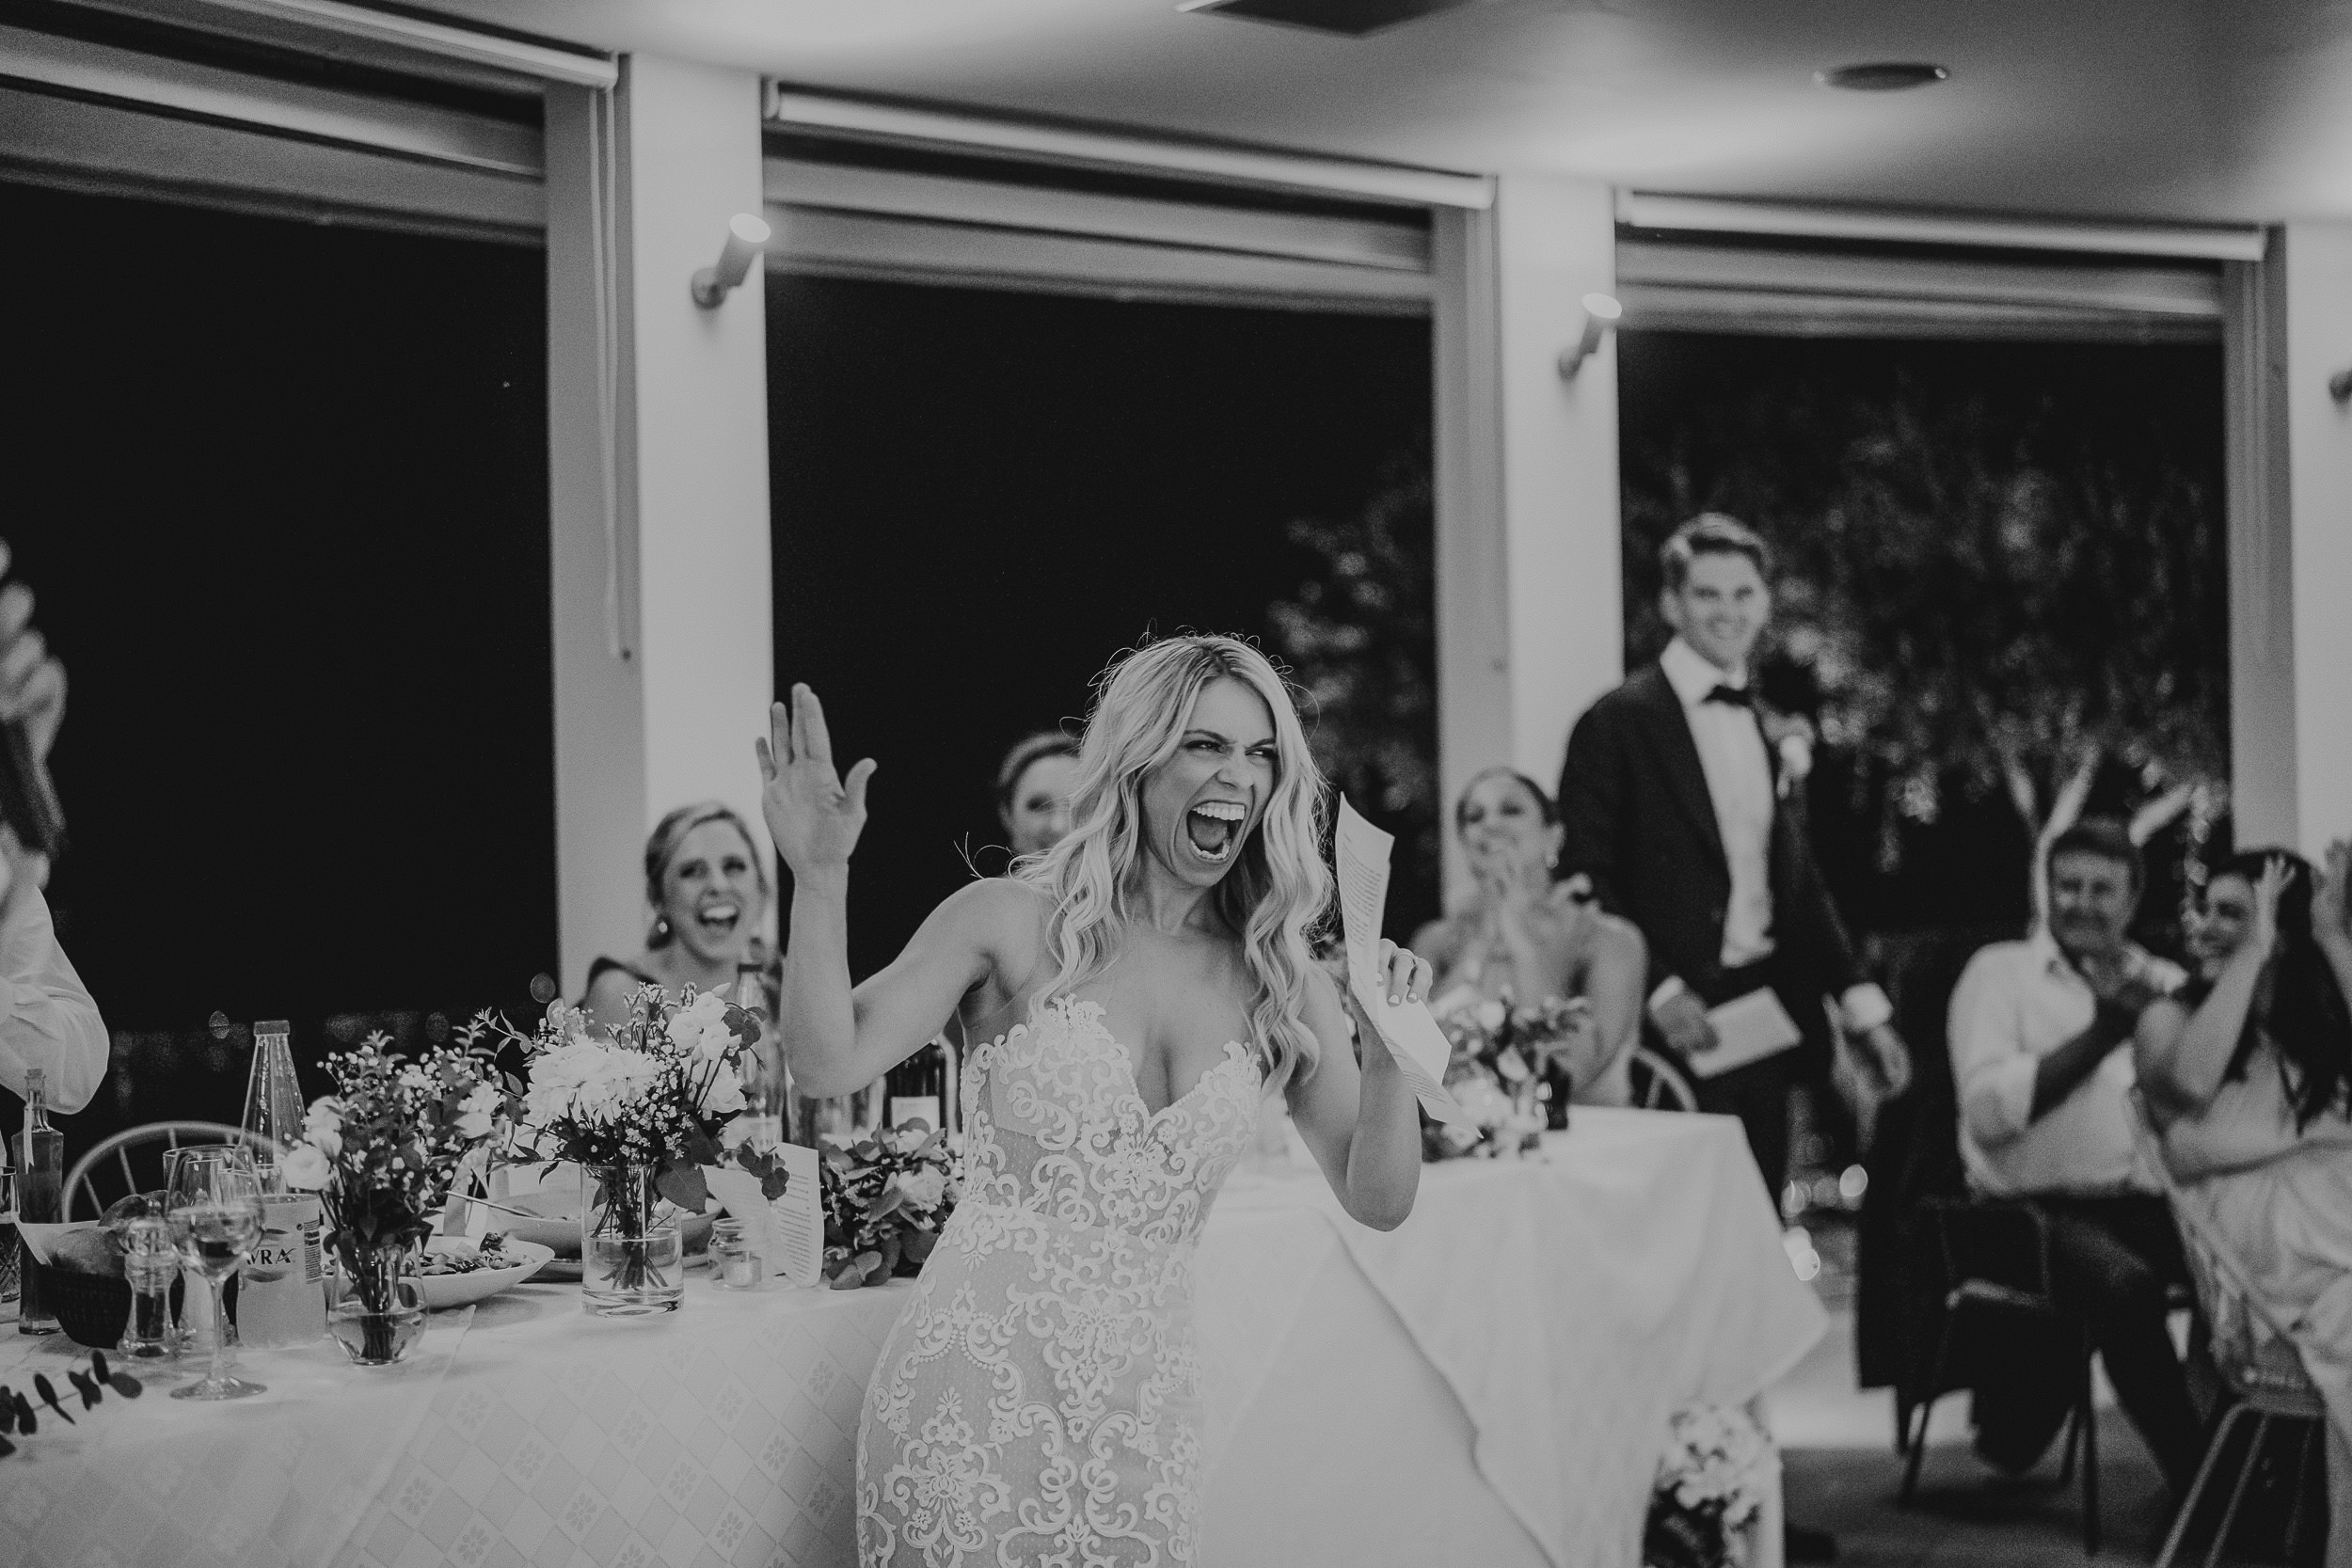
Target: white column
point(2291, 540)
point(657, 441)
point(1530, 624)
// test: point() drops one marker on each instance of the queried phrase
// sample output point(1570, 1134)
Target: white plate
point(441, 1291)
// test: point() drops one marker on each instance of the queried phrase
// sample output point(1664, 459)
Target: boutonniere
point(1792, 738)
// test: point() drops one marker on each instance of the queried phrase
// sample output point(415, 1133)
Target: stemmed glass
point(214, 1209)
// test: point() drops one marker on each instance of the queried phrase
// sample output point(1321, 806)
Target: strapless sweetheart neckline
point(1077, 1010)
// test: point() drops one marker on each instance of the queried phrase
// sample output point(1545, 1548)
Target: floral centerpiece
point(1494, 1074)
point(887, 1196)
point(381, 1153)
point(1711, 1480)
point(642, 1108)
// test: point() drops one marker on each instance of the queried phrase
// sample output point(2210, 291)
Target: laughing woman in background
point(707, 886)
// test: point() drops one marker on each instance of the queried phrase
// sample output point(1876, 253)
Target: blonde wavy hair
point(1278, 893)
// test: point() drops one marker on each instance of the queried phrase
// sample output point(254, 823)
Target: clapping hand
point(32, 683)
point(814, 813)
point(2331, 893)
point(2277, 874)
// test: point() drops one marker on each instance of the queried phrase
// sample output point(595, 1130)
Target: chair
point(81, 1184)
point(1658, 1084)
point(1997, 1267)
point(2256, 1359)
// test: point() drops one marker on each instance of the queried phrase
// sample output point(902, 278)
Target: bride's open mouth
point(1214, 828)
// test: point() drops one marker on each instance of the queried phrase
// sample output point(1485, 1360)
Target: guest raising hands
point(2248, 1079)
point(1529, 939)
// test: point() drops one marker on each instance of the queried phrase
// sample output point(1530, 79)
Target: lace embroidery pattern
point(1038, 1400)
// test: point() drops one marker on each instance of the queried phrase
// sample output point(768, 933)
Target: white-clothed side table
point(1490, 1383)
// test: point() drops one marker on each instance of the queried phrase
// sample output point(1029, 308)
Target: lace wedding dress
point(1036, 1401)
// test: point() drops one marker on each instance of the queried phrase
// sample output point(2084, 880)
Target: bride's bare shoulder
point(998, 915)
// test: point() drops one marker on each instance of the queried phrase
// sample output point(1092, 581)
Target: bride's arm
point(1362, 1124)
point(838, 1040)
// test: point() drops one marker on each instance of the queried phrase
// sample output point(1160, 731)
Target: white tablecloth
point(1487, 1383)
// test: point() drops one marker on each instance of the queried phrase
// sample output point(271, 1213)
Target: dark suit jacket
point(1639, 822)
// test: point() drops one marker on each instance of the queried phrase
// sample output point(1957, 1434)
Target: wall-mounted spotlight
point(745, 235)
point(1600, 314)
point(2339, 388)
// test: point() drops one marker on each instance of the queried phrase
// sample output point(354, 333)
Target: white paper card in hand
point(1412, 1036)
point(1751, 1028)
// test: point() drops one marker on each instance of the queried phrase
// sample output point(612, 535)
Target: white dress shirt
point(2016, 1003)
point(1740, 786)
point(47, 1018)
point(1738, 775)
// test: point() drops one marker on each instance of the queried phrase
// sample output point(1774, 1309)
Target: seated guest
point(1528, 938)
point(1033, 786)
point(2038, 1032)
point(2247, 1076)
point(47, 1018)
point(707, 885)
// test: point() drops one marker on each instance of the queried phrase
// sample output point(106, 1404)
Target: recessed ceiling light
point(1883, 75)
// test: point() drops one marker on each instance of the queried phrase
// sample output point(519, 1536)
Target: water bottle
point(281, 1290)
point(272, 1100)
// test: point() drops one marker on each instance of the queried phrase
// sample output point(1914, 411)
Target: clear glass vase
point(632, 1262)
point(381, 1314)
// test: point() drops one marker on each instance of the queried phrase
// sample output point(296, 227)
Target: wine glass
point(214, 1209)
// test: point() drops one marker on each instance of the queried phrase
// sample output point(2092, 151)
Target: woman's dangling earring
point(661, 928)
point(1551, 860)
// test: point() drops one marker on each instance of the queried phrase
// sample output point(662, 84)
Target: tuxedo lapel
point(1680, 755)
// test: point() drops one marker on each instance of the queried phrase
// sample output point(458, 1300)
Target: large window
point(281, 490)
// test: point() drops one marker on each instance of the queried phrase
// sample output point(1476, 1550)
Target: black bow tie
point(1737, 696)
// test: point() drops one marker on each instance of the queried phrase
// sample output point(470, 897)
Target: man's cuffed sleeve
point(1991, 1070)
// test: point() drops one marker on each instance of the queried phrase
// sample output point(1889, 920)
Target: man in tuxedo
point(1686, 820)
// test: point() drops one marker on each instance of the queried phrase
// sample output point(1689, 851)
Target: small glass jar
point(733, 1261)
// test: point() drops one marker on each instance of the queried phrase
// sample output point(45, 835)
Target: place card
point(797, 1220)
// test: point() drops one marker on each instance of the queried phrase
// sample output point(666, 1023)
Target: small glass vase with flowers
point(641, 1108)
point(381, 1153)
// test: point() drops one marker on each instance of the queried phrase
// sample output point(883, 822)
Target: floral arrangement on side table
point(381, 1154)
point(644, 1108)
point(1497, 1066)
point(887, 1196)
point(1710, 1484)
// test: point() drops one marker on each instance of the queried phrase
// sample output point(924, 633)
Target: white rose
point(1491, 1015)
point(306, 1168)
point(724, 1095)
point(923, 1187)
point(699, 1029)
point(325, 1139)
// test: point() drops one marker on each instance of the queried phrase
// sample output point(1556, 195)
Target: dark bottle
point(917, 1089)
point(40, 1196)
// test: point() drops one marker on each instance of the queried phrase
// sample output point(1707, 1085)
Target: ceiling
point(2213, 110)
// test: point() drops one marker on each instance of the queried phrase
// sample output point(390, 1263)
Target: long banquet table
point(1490, 1382)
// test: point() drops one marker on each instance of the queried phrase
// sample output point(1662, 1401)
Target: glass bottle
point(40, 1196)
point(272, 1100)
point(916, 1088)
point(763, 1070)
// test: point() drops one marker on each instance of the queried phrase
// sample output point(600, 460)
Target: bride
point(1138, 984)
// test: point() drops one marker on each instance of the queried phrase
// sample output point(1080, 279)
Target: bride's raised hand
point(814, 813)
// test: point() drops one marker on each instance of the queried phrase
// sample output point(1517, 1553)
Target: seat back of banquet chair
point(2250, 1348)
point(1658, 1084)
point(128, 1152)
